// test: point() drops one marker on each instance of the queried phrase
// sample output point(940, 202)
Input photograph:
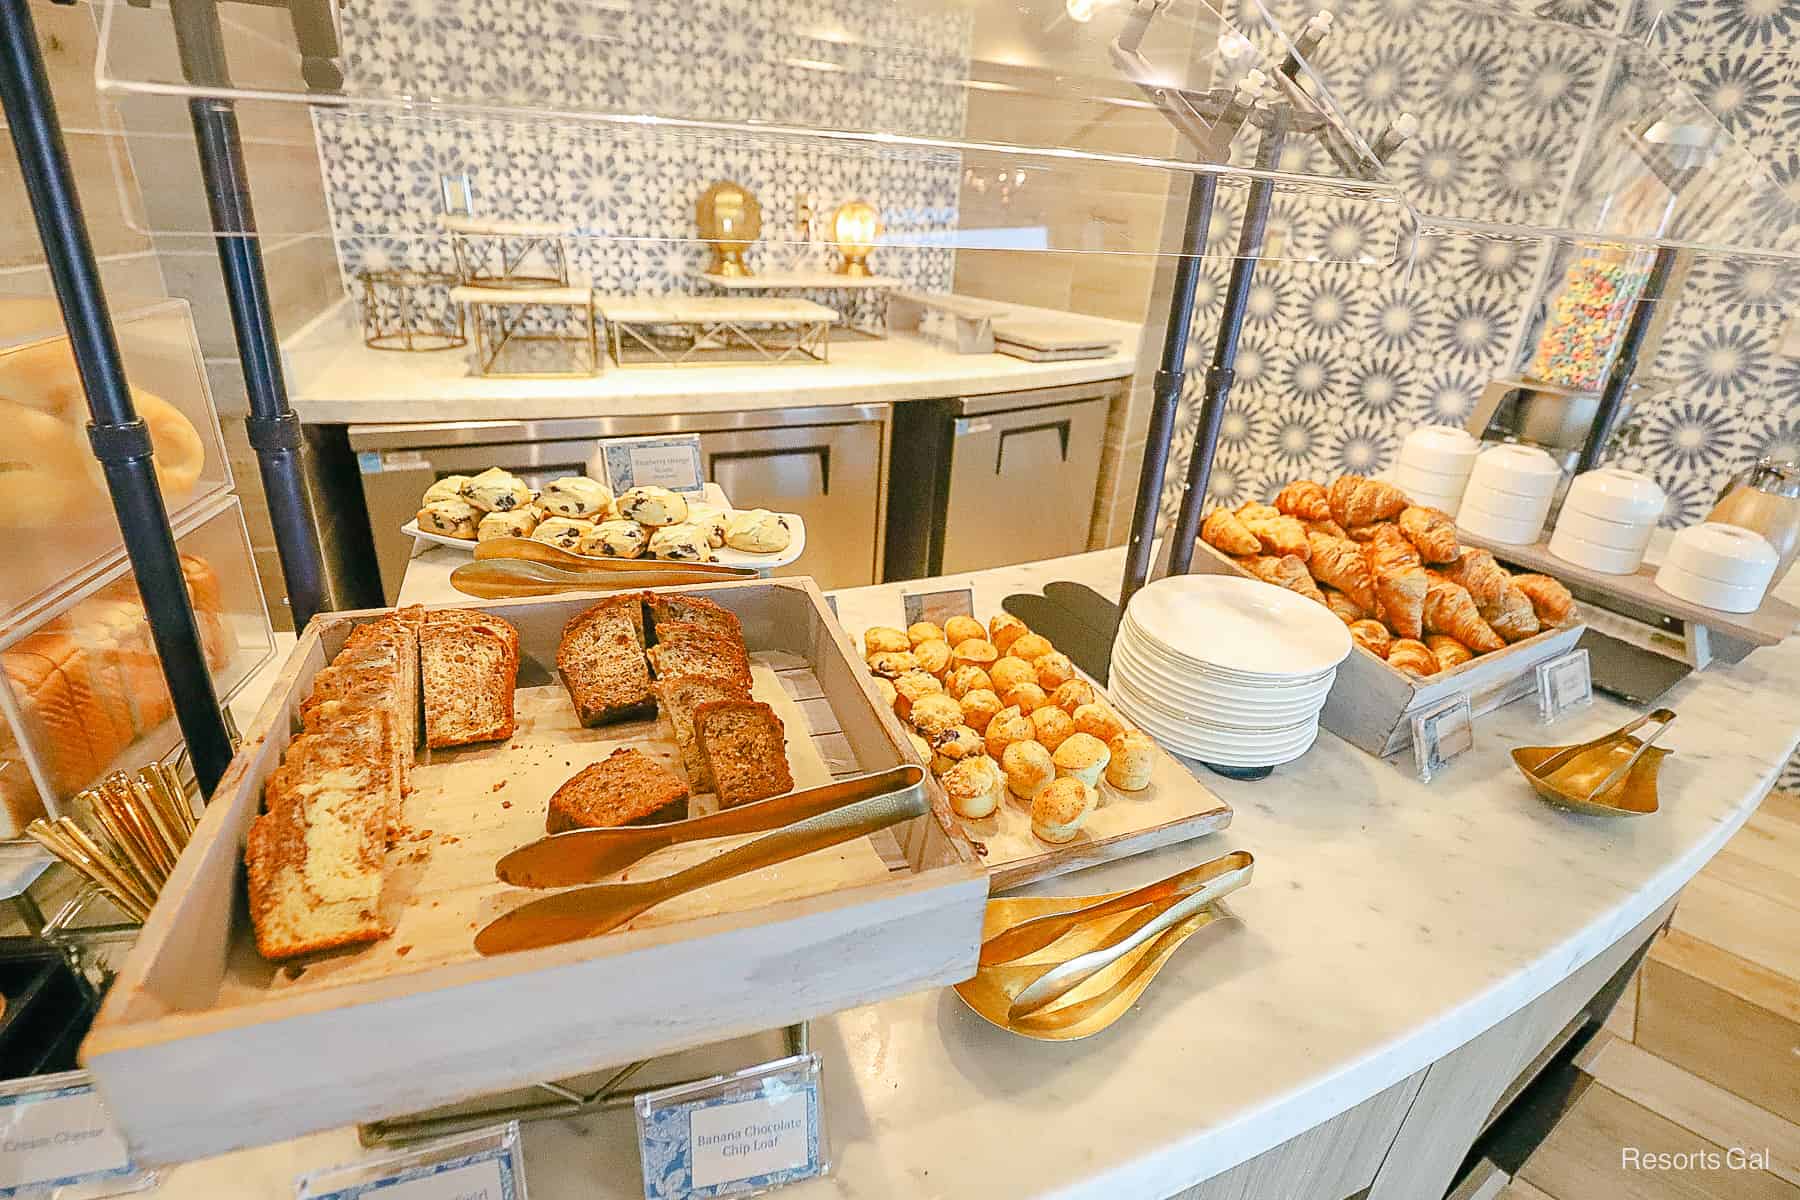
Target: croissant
point(1279, 535)
point(1341, 564)
point(1400, 582)
point(1415, 658)
point(1450, 610)
point(1328, 527)
point(1372, 636)
point(1342, 606)
point(1286, 571)
point(1449, 652)
point(1225, 532)
point(1358, 501)
point(1363, 533)
point(1550, 600)
point(1432, 531)
point(1498, 599)
point(1306, 499)
point(1254, 510)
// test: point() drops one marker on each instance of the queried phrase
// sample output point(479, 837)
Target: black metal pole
point(1624, 363)
point(1219, 375)
point(119, 437)
point(274, 429)
point(1166, 394)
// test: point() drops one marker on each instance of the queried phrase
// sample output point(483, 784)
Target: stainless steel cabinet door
point(829, 474)
point(1022, 485)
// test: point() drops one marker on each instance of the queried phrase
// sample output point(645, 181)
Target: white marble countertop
point(335, 379)
point(1389, 922)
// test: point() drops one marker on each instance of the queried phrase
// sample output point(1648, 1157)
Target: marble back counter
point(1390, 923)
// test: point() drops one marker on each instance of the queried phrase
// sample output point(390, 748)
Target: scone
point(576, 496)
point(495, 490)
point(1052, 726)
point(451, 517)
point(974, 787)
point(567, 532)
point(1082, 756)
point(448, 488)
point(950, 746)
point(934, 713)
point(712, 519)
point(1059, 810)
point(617, 539)
point(933, 656)
point(758, 531)
point(1028, 769)
point(520, 522)
point(681, 543)
point(880, 638)
point(979, 707)
point(1133, 755)
point(653, 506)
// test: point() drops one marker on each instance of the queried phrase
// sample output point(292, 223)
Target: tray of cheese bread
point(1429, 617)
point(319, 938)
point(1040, 772)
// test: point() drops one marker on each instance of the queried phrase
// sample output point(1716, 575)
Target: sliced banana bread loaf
point(601, 661)
point(627, 787)
point(745, 750)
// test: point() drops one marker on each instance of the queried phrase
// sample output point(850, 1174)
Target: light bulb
point(1081, 11)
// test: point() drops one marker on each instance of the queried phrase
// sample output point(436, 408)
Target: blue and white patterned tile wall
point(628, 191)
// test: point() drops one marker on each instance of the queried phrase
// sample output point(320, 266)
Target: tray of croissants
point(1392, 570)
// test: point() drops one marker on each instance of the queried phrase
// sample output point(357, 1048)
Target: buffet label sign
point(938, 607)
point(58, 1136)
point(734, 1135)
point(671, 462)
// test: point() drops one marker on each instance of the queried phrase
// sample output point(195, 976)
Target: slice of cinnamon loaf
point(672, 607)
point(677, 699)
point(690, 650)
point(745, 750)
point(315, 862)
point(468, 672)
point(628, 787)
point(601, 661)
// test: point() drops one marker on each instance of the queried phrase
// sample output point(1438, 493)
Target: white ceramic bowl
point(1512, 531)
point(1613, 535)
point(1726, 553)
point(1709, 593)
point(1506, 505)
point(1441, 450)
point(1608, 560)
point(1521, 470)
point(1242, 625)
point(1615, 494)
point(1447, 502)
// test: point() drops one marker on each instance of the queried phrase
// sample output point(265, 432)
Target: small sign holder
point(56, 1140)
point(1564, 685)
point(670, 461)
point(487, 1164)
point(938, 607)
point(1441, 734)
point(735, 1135)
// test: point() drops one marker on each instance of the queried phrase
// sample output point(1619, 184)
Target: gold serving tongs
point(1543, 764)
point(585, 855)
point(1213, 879)
point(589, 911)
point(529, 550)
point(507, 578)
point(1233, 872)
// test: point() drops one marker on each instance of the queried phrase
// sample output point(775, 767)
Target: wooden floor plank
point(1691, 1021)
point(1584, 1157)
point(1621, 1022)
point(1518, 1189)
point(1691, 1102)
point(1750, 926)
point(1745, 980)
point(1780, 806)
point(1777, 881)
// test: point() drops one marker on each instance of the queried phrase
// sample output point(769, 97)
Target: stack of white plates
point(1229, 671)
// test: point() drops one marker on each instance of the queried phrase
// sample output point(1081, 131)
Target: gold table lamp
point(731, 220)
point(854, 228)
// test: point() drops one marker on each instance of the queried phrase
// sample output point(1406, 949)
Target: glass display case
point(81, 687)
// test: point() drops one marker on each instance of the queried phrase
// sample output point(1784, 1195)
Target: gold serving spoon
point(505, 578)
point(555, 556)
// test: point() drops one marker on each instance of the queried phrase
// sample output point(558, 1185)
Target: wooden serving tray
point(1371, 704)
point(203, 1047)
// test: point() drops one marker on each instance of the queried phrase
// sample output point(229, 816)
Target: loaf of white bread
point(316, 857)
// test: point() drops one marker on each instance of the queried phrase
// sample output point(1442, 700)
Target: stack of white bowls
point(1434, 465)
point(1607, 519)
point(1509, 494)
point(1229, 671)
point(1719, 566)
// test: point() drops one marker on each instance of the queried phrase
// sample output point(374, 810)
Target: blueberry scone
point(653, 506)
point(448, 488)
point(520, 522)
point(617, 539)
point(451, 517)
point(711, 519)
point(758, 531)
point(567, 532)
point(495, 490)
point(576, 496)
point(681, 543)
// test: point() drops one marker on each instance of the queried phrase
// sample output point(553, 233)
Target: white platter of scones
point(1042, 774)
point(581, 515)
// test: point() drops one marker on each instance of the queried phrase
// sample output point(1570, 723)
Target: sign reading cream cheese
point(59, 1135)
point(748, 1139)
point(485, 1165)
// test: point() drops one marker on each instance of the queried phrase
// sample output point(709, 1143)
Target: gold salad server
point(1065, 977)
point(555, 556)
point(1035, 934)
point(585, 855)
point(603, 907)
point(505, 578)
point(1601, 776)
